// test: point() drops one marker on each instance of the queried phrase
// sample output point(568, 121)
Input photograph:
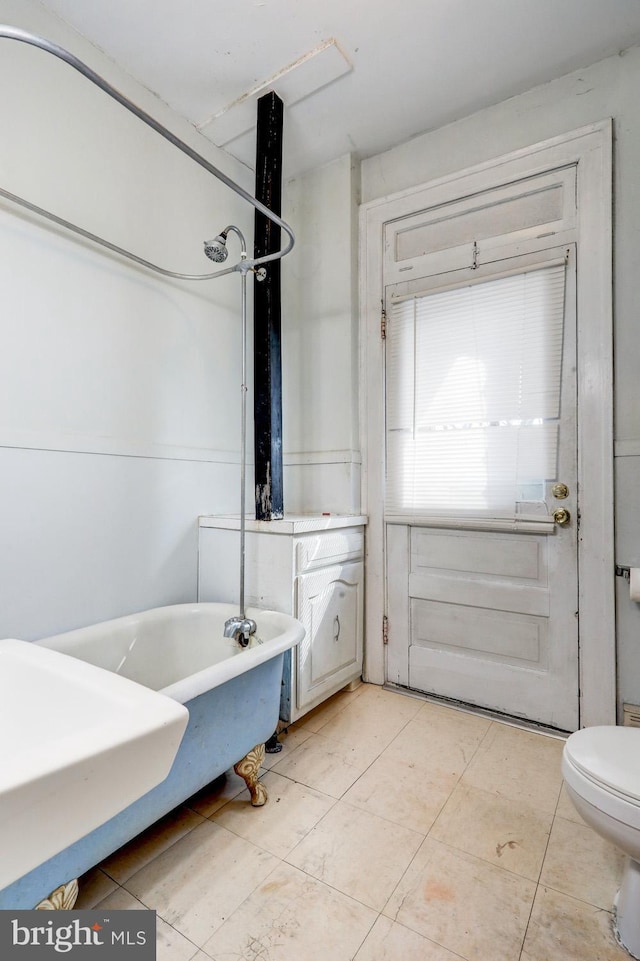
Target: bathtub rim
point(290, 633)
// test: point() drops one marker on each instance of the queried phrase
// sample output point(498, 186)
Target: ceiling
point(396, 68)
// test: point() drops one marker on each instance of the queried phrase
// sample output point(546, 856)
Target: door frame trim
point(590, 149)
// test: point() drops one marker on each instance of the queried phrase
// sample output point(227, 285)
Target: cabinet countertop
point(289, 524)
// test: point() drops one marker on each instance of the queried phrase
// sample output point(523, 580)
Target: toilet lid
point(608, 755)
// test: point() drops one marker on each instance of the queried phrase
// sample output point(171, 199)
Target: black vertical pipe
point(267, 315)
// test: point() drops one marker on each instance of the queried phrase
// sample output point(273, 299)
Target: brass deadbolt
point(560, 491)
point(561, 516)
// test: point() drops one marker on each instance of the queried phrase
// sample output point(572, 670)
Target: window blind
point(473, 378)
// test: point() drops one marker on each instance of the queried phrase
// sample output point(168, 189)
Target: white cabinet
point(308, 566)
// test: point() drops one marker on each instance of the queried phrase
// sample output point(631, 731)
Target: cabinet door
point(329, 604)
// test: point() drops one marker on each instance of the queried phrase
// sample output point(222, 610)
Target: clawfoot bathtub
point(233, 698)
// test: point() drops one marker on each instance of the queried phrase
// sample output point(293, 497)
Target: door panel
point(478, 584)
point(492, 634)
point(481, 632)
point(500, 555)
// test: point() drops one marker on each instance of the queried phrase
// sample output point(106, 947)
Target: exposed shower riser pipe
point(243, 444)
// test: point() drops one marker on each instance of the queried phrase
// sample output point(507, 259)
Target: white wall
point(119, 391)
point(606, 89)
point(319, 342)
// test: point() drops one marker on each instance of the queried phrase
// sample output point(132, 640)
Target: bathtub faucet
point(240, 629)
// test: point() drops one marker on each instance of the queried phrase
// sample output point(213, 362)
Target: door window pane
point(473, 395)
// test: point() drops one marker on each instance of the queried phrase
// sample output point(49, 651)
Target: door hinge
point(385, 629)
point(383, 324)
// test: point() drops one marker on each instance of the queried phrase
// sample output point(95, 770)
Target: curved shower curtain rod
point(244, 265)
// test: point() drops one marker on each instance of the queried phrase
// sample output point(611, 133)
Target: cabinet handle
point(336, 628)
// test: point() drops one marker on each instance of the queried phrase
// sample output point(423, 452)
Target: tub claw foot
point(248, 769)
point(62, 899)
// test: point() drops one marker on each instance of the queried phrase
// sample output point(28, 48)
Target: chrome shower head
point(216, 249)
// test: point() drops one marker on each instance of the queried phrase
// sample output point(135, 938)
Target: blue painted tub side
point(224, 725)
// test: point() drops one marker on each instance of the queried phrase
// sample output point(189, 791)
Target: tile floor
point(396, 830)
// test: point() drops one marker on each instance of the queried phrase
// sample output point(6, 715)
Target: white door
point(482, 597)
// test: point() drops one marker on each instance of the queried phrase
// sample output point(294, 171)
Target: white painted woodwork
point(492, 615)
point(308, 566)
point(329, 603)
point(481, 625)
point(588, 150)
point(491, 634)
point(505, 222)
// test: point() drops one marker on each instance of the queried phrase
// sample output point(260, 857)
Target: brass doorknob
point(561, 516)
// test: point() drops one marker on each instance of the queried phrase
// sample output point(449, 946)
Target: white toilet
point(601, 768)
